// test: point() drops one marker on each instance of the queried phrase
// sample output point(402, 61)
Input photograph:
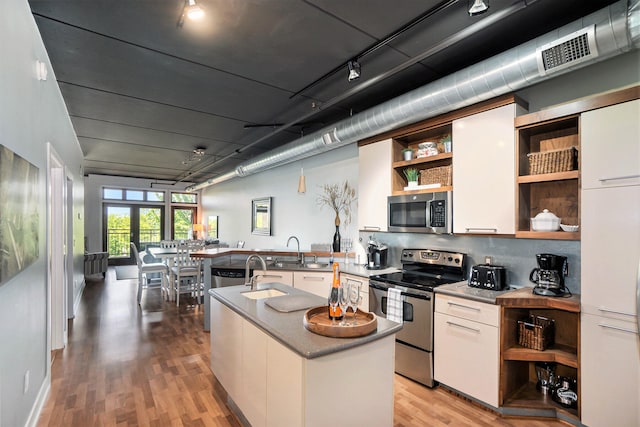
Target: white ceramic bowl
point(571, 228)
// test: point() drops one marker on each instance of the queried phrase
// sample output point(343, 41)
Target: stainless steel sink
point(316, 265)
point(286, 264)
point(263, 293)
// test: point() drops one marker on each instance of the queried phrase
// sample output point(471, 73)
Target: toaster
point(488, 276)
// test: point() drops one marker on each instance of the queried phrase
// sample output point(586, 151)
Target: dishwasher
point(228, 276)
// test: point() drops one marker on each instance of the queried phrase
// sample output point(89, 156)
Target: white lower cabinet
point(274, 276)
point(467, 347)
point(315, 282)
point(610, 346)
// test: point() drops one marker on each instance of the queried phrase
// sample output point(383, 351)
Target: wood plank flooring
point(127, 365)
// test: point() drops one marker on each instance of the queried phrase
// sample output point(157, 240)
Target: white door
point(56, 251)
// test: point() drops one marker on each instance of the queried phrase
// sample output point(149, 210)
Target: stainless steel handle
point(371, 227)
point(463, 306)
point(319, 278)
point(273, 275)
point(608, 310)
point(617, 328)
point(614, 178)
point(470, 229)
point(463, 326)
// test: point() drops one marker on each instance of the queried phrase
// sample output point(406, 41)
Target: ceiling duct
point(608, 32)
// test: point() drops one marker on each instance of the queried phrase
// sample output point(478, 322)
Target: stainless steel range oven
point(422, 271)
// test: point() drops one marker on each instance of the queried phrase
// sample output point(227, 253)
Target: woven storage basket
point(438, 175)
point(552, 161)
point(536, 332)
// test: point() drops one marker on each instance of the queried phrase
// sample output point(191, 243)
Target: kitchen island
point(276, 373)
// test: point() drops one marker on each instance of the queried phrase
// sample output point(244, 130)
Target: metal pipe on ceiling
point(615, 29)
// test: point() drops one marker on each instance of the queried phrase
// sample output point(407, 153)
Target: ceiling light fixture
point(478, 6)
point(354, 70)
point(191, 10)
point(302, 185)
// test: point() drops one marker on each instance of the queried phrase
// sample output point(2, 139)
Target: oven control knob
point(457, 260)
point(450, 259)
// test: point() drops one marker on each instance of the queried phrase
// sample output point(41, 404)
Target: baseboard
point(41, 399)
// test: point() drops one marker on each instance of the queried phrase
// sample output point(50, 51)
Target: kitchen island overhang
point(276, 372)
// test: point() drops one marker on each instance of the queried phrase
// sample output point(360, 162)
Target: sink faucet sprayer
point(251, 281)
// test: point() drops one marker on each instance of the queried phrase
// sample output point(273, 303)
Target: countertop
point(350, 268)
point(288, 328)
point(463, 290)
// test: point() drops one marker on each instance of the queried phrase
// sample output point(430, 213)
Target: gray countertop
point(463, 290)
point(288, 328)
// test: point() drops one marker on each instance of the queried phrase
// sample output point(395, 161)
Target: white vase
point(412, 184)
point(407, 155)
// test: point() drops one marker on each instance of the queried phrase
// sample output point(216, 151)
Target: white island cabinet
point(374, 184)
point(610, 251)
point(276, 373)
point(484, 171)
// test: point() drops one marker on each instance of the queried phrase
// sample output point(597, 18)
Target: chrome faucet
point(250, 281)
point(300, 256)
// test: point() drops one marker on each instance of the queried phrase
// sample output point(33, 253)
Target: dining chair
point(186, 273)
point(145, 268)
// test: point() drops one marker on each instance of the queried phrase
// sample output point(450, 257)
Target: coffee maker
point(549, 276)
point(376, 255)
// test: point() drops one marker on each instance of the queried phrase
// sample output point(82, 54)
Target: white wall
point(293, 213)
point(32, 112)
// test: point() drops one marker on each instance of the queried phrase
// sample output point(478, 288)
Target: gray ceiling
point(143, 92)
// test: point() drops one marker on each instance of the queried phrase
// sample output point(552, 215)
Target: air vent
point(567, 51)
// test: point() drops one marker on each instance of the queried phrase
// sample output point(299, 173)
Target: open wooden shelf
point(559, 353)
point(529, 398)
point(546, 177)
point(422, 160)
point(559, 192)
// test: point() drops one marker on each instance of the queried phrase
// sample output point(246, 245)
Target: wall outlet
point(26, 382)
point(488, 260)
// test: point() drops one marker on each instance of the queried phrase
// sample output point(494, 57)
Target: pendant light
point(302, 186)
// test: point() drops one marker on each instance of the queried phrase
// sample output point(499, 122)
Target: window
point(182, 220)
point(112, 194)
point(132, 195)
point(190, 198)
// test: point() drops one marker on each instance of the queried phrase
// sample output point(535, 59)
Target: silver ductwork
point(601, 35)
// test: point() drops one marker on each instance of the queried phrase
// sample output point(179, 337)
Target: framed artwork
point(212, 226)
point(261, 216)
point(19, 217)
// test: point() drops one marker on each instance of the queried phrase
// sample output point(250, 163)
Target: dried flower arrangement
point(338, 197)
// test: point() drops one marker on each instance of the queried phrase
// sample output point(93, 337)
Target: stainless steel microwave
point(421, 213)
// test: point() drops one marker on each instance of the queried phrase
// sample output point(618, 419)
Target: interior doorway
point(57, 253)
point(126, 223)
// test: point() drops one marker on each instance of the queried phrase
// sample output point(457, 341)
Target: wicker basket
point(552, 161)
point(536, 332)
point(438, 175)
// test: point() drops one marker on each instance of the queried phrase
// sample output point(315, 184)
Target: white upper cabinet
point(611, 146)
point(484, 172)
point(374, 184)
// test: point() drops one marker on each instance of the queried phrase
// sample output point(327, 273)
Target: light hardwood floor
point(149, 366)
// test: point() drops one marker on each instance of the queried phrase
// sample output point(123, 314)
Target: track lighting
point(478, 7)
point(354, 70)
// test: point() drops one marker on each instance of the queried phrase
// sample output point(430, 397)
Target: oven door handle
point(403, 293)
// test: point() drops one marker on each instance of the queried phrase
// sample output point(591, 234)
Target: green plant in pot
point(412, 176)
point(407, 154)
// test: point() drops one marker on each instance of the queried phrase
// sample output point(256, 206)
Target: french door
point(142, 225)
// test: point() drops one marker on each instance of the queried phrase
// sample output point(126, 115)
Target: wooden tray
point(317, 321)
